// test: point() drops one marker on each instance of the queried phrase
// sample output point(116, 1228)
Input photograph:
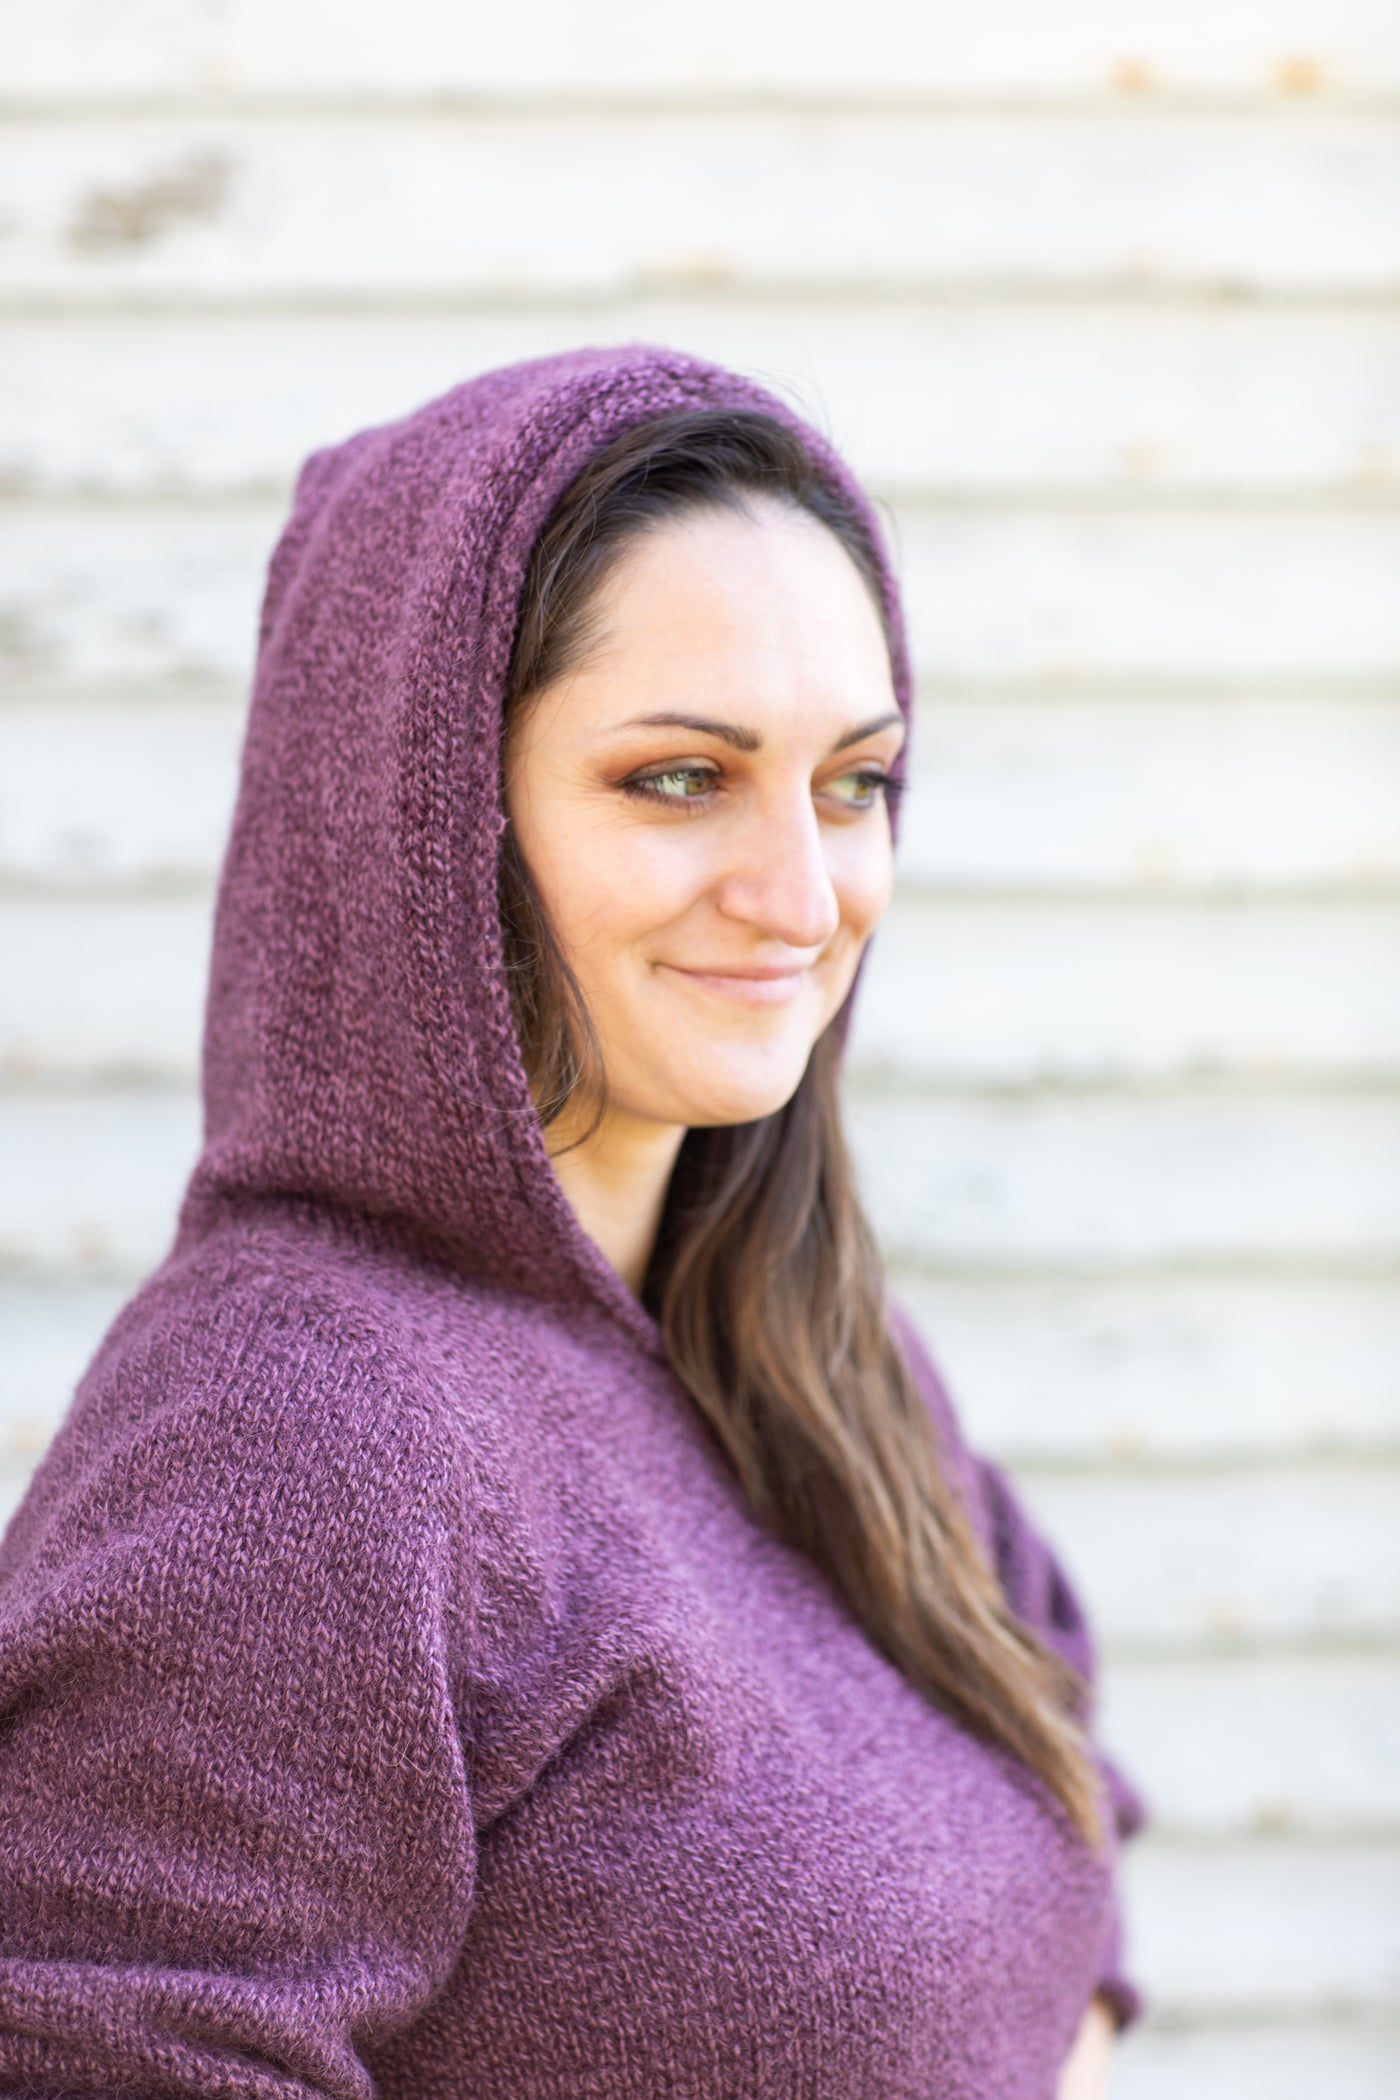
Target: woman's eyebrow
point(729, 732)
point(749, 739)
point(864, 729)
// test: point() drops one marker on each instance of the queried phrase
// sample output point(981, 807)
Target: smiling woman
point(675, 986)
point(715, 879)
point(510, 1608)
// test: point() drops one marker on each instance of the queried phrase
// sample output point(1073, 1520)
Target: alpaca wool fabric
point(398, 1694)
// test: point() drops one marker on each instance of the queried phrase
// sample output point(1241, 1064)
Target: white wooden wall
point(1105, 300)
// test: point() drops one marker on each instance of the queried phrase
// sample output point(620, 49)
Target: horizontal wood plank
point(1220, 1365)
point(97, 596)
point(47, 1339)
point(1102, 1180)
point(120, 790)
point(1183, 1562)
point(327, 48)
point(954, 992)
point(116, 988)
point(1302, 1743)
point(480, 204)
point(1032, 991)
point(94, 598)
point(1194, 593)
point(1239, 788)
point(922, 395)
point(92, 1181)
point(1266, 1929)
point(1282, 2059)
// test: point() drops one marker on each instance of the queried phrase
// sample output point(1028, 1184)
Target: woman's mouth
point(748, 987)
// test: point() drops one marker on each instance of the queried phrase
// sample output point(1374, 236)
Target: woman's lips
point(748, 987)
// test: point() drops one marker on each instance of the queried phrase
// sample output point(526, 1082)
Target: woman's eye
point(681, 784)
point(693, 784)
point(860, 790)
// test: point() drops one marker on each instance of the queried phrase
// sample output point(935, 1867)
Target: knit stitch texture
point(398, 1694)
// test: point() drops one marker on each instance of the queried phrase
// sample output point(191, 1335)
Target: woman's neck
point(616, 1183)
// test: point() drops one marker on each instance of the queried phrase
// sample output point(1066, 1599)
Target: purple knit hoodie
point(398, 1695)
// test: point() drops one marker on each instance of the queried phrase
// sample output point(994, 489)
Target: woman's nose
point(778, 880)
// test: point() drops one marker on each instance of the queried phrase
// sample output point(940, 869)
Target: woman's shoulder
point(254, 1378)
point(272, 1315)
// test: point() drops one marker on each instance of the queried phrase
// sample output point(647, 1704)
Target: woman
point(509, 1610)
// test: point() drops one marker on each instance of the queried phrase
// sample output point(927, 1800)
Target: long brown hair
point(766, 1279)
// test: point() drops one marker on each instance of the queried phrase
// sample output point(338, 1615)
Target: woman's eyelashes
point(863, 788)
point(693, 787)
point(661, 787)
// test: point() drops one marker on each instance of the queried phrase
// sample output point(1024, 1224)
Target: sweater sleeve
point(236, 1846)
point(1040, 1593)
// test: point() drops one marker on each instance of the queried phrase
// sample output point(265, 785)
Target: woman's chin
point(741, 1096)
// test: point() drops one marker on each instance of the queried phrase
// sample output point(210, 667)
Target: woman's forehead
point(764, 603)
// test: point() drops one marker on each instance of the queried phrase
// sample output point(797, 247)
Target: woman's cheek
point(615, 883)
point(664, 869)
point(864, 882)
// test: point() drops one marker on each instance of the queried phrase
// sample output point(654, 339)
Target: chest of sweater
point(724, 1846)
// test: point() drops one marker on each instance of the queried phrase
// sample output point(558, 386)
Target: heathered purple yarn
point(398, 1695)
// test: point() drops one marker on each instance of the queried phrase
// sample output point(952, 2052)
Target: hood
point(358, 1047)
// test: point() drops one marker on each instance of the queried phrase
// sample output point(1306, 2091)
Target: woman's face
point(698, 804)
